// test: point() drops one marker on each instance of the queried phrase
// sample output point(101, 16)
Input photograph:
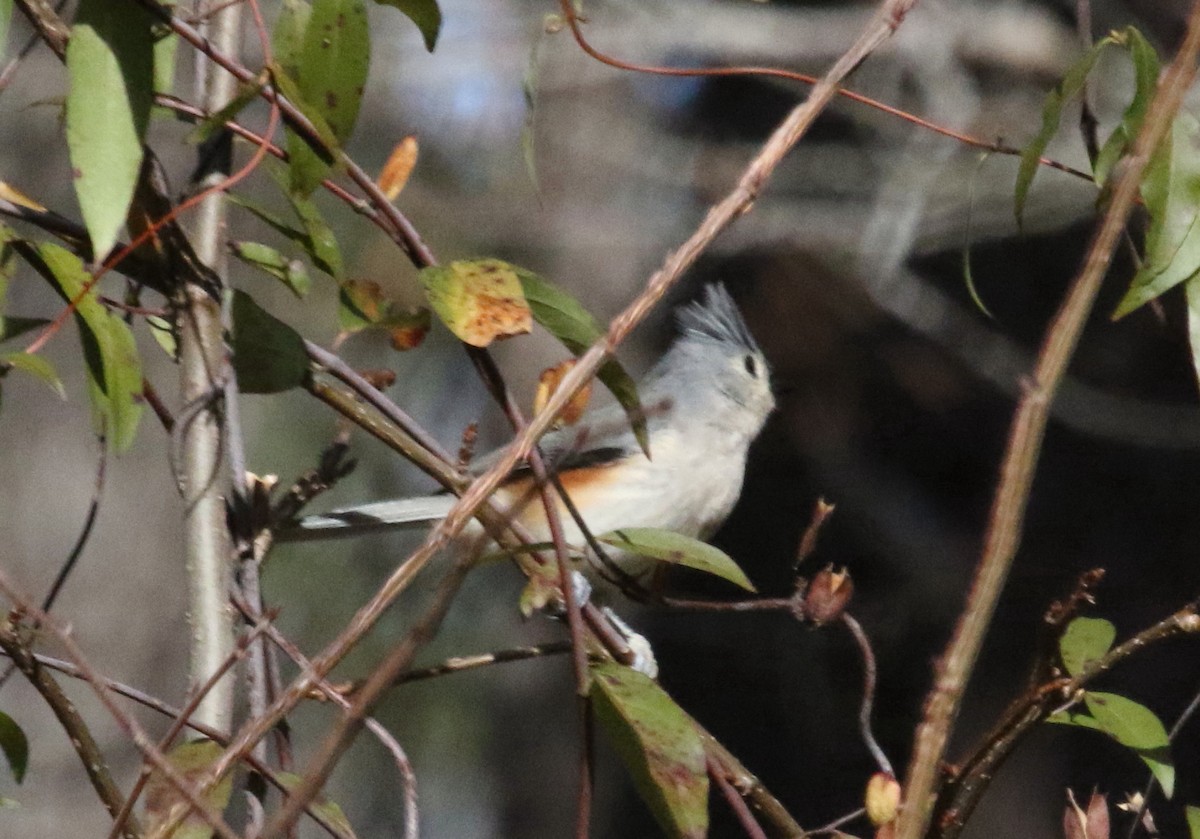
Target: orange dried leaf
point(548, 383)
point(479, 300)
point(399, 166)
point(410, 336)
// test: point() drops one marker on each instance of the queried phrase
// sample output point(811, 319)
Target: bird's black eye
point(751, 365)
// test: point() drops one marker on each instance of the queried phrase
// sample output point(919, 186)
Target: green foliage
point(1085, 640)
point(35, 366)
point(1193, 821)
point(674, 548)
point(1145, 69)
point(1131, 724)
point(110, 59)
point(323, 54)
point(290, 272)
point(113, 365)
point(268, 355)
point(1171, 192)
point(1063, 92)
point(658, 744)
point(424, 13)
point(15, 746)
point(330, 810)
point(192, 760)
point(6, 10)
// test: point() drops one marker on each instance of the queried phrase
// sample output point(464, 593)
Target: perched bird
point(706, 400)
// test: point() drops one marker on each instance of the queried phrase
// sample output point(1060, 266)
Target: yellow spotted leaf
point(479, 300)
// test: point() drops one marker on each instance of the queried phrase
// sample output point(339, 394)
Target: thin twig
point(962, 793)
point(868, 699)
point(127, 724)
point(408, 777)
point(342, 732)
point(745, 818)
point(180, 722)
point(1025, 440)
point(95, 766)
point(158, 706)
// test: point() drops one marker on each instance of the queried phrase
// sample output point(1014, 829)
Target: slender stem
point(158, 706)
point(1024, 447)
point(201, 364)
point(85, 745)
point(745, 818)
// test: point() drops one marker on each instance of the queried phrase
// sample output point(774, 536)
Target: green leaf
point(658, 744)
point(319, 240)
point(308, 163)
point(1192, 293)
point(667, 546)
point(1063, 92)
point(6, 9)
point(1075, 718)
point(1145, 70)
point(1171, 192)
point(1130, 723)
point(288, 37)
point(1193, 821)
point(323, 57)
point(15, 746)
point(329, 809)
point(192, 760)
point(424, 13)
point(290, 272)
point(1085, 640)
point(163, 332)
point(35, 365)
point(268, 355)
point(166, 43)
point(110, 59)
point(562, 316)
point(113, 365)
point(323, 251)
point(1136, 726)
point(271, 219)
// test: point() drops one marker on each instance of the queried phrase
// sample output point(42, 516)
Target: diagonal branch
point(1024, 446)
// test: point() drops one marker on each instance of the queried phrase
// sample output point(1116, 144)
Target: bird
point(707, 398)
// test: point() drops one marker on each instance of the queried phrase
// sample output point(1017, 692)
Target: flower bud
point(882, 798)
point(828, 595)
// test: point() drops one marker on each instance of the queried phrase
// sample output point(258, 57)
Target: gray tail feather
point(366, 518)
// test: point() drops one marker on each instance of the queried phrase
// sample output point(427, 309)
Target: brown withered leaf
point(400, 163)
point(548, 383)
point(1092, 824)
point(364, 306)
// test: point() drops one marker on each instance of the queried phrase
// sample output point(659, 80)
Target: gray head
point(715, 370)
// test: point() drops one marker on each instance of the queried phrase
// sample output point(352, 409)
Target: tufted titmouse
point(707, 399)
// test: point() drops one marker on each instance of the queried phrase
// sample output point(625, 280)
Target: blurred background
point(896, 392)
